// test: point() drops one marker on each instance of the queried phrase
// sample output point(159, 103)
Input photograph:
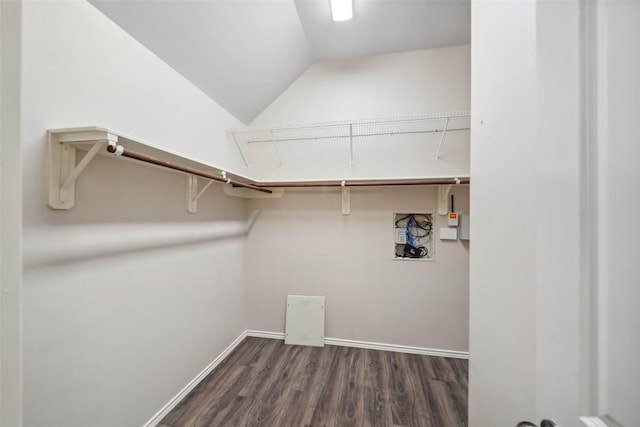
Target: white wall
point(303, 244)
point(421, 81)
point(126, 296)
point(619, 99)
point(10, 218)
point(503, 199)
point(559, 173)
point(553, 317)
point(426, 81)
point(113, 79)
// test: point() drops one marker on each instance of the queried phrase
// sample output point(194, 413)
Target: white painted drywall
point(559, 293)
point(10, 217)
point(554, 320)
point(422, 81)
point(259, 46)
point(303, 245)
point(504, 214)
point(109, 79)
point(619, 38)
point(127, 297)
point(425, 81)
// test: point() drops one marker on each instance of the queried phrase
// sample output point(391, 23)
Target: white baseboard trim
point(398, 348)
point(603, 421)
point(372, 345)
point(155, 420)
point(593, 422)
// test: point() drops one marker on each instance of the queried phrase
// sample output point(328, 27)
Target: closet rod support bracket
point(443, 198)
point(193, 194)
point(346, 199)
point(63, 172)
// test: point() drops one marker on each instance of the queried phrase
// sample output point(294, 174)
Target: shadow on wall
point(46, 246)
point(122, 207)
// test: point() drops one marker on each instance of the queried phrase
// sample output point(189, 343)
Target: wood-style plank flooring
point(264, 382)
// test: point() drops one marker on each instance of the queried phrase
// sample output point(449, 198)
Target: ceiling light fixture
point(341, 10)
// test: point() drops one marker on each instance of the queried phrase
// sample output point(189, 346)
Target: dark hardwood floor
point(264, 382)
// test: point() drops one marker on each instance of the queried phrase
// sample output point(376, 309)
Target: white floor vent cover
point(304, 320)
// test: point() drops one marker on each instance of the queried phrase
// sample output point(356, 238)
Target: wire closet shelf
point(352, 129)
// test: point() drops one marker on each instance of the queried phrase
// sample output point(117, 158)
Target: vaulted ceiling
point(245, 53)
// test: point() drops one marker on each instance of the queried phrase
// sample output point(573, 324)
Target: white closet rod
point(366, 182)
point(264, 186)
point(119, 150)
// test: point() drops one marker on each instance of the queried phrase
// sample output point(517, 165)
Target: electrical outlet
point(401, 236)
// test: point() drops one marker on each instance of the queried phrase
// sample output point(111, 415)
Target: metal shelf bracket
point(62, 168)
point(351, 144)
point(444, 132)
point(275, 148)
point(245, 157)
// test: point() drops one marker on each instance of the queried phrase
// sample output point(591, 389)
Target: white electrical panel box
point(304, 323)
point(453, 219)
point(448, 233)
point(464, 227)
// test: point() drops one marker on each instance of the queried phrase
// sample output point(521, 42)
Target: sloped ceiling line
point(244, 54)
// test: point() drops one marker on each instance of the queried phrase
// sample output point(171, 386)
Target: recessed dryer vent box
point(304, 320)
